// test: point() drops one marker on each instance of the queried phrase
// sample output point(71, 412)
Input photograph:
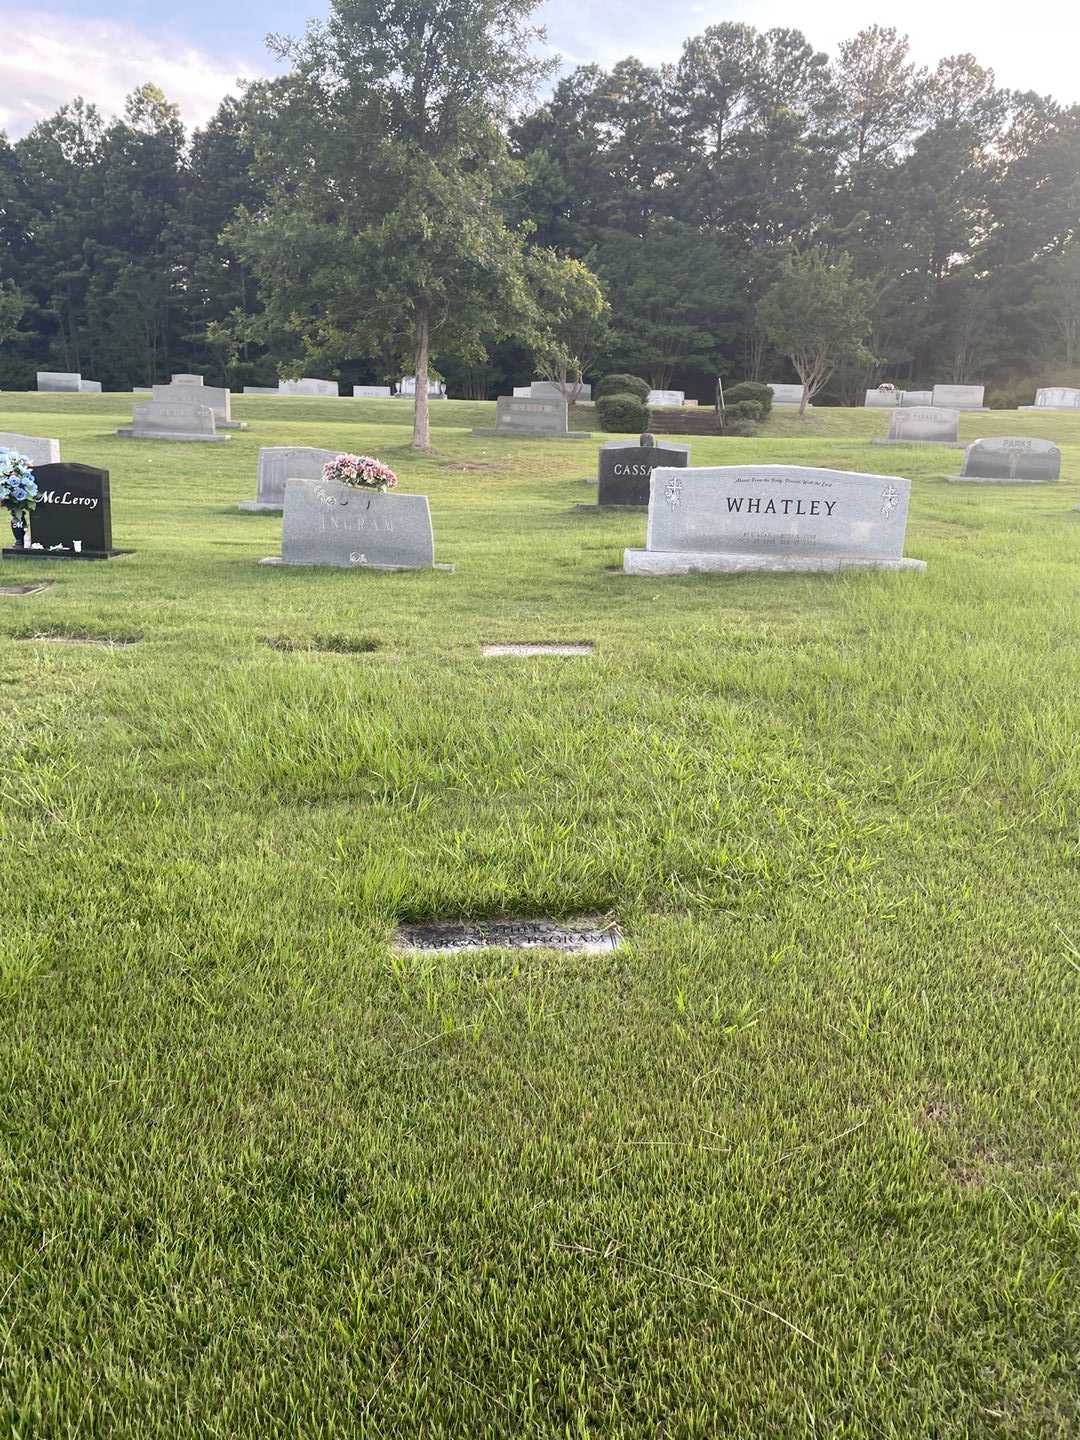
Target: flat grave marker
point(584, 936)
point(493, 651)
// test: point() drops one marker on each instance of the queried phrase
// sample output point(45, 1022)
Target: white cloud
point(46, 60)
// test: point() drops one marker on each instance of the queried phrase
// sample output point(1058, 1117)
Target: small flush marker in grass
point(583, 936)
point(554, 648)
point(25, 589)
point(105, 642)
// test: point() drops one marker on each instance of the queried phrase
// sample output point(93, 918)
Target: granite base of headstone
point(278, 464)
point(736, 518)
point(528, 419)
point(37, 449)
point(923, 425)
point(1009, 460)
point(72, 519)
point(173, 420)
point(959, 397)
point(348, 528)
point(626, 466)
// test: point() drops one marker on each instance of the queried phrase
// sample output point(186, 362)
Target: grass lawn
point(800, 1160)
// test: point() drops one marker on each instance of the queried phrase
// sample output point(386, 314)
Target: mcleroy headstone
point(328, 523)
point(279, 463)
point(627, 465)
point(1009, 460)
point(37, 450)
point(72, 519)
point(173, 420)
point(960, 397)
point(772, 517)
point(532, 419)
point(923, 425)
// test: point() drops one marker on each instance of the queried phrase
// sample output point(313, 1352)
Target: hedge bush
point(622, 385)
point(742, 417)
point(623, 413)
point(751, 390)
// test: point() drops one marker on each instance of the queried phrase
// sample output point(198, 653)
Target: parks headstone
point(923, 425)
point(1010, 459)
point(532, 419)
point(72, 518)
point(37, 450)
point(172, 420)
point(278, 463)
point(626, 467)
point(787, 394)
point(773, 517)
point(328, 523)
point(960, 397)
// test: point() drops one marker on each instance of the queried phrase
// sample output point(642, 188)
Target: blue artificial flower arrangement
point(18, 488)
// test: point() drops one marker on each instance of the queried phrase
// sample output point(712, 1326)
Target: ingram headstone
point(328, 523)
point(278, 463)
point(535, 419)
point(1010, 459)
point(37, 450)
point(773, 517)
point(626, 467)
point(923, 425)
point(960, 397)
point(173, 420)
point(669, 398)
point(72, 517)
point(786, 394)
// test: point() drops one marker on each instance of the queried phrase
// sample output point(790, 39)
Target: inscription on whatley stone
point(1004, 459)
point(327, 523)
point(772, 517)
point(626, 468)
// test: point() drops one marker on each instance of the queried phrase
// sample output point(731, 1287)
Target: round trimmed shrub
point(751, 390)
point(742, 417)
point(623, 413)
point(622, 385)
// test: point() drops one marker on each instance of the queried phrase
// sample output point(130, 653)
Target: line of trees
point(397, 199)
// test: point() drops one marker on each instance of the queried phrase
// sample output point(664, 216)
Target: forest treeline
point(682, 187)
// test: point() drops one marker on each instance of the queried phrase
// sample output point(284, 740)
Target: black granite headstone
point(625, 469)
point(73, 507)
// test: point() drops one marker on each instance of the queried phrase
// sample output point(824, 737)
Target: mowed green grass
point(800, 1160)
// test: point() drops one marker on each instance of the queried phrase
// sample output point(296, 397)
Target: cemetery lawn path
point(800, 1160)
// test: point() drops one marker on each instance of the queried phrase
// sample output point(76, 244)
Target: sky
point(196, 50)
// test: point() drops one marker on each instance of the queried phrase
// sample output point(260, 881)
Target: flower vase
point(18, 530)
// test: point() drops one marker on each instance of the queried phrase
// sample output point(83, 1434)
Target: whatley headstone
point(72, 519)
point(960, 397)
point(1009, 460)
point(184, 391)
point(773, 517)
point(1055, 397)
point(923, 425)
point(38, 451)
point(328, 523)
point(535, 419)
point(279, 463)
point(626, 466)
point(173, 420)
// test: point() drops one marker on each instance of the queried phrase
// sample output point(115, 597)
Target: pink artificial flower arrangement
point(361, 470)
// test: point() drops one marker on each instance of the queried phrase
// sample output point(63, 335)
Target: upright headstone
point(773, 517)
point(533, 419)
point(187, 380)
point(786, 394)
point(218, 399)
point(72, 518)
point(59, 381)
point(436, 388)
point(882, 399)
point(322, 389)
point(172, 420)
point(923, 426)
point(666, 398)
point(1010, 460)
point(551, 390)
point(261, 390)
point(626, 466)
point(279, 463)
point(371, 392)
point(522, 392)
point(328, 523)
point(914, 399)
point(37, 450)
point(89, 387)
point(960, 397)
point(1055, 397)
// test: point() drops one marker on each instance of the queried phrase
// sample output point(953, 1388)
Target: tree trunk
point(421, 435)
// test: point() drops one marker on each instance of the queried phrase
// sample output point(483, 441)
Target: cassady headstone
point(626, 466)
point(1055, 397)
point(532, 419)
point(551, 390)
point(960, 397)
point(773, 517)
point(173, 420)
point(371, 392)
point(786, 394)
point(328, 523)
point(882, 399)
point(59, 381)
point(216, 397)
point(1009, 460)
point(278, 463)
point(323, 389)
point(923, 425)
point(72, 519)
point(666, 398)
point(37, 450)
